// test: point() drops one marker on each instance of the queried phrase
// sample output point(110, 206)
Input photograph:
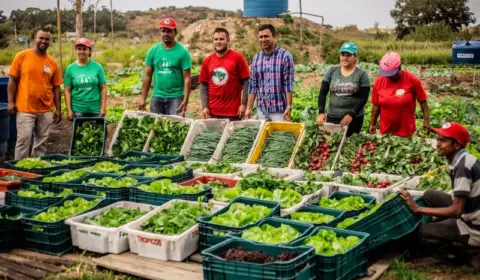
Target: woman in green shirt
point(349, 87)
point(85, 84)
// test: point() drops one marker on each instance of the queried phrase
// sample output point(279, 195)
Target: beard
point(221, 49)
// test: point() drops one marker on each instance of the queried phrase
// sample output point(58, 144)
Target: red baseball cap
point(169, 23)
point(83, 42)
point(455, 131)
point(390, 64)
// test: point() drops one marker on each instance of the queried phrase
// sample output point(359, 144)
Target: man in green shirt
point(170, 65)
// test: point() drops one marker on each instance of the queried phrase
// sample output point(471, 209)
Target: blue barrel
point(4, 131)
point(12, 138)
point(466, 52)
point(264, 8)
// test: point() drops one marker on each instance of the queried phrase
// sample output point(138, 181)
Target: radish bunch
point(361, 156)
point(320, 156)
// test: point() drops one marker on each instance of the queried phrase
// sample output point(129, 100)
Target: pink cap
point(83, 42)
point(389, 64)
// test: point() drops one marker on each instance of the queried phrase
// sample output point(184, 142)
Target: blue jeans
point(165, 106)
point(86, 115)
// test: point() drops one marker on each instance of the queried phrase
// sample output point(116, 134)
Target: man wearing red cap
point(169, 63)
point(394, 98)
point(458, 214)
point(33, 94)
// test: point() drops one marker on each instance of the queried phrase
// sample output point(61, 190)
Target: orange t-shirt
point(37, 75)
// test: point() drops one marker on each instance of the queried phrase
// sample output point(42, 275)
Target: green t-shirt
point(344, 90)
point(168, 66)
point(85, 84)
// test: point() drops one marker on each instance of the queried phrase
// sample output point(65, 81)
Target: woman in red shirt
point(394, 98)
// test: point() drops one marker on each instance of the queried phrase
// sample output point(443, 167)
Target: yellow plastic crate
point(297, 129)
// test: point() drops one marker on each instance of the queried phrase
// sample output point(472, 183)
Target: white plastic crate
point(179, 119)
point(103, 240)
point(129, 114)
point(284, 173)
point(163, 247)
point(199, 127)
point(245, 168)
point(315, 197)
point(230, 131)
point(324, 173)
point(379, 194)
point(332, 128)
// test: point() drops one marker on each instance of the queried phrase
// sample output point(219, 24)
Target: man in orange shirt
point(33, 93)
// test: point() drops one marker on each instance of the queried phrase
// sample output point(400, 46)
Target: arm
point(252, 90)
point(453, 211)
point(322, 96)
point(57, 95)
point(245, 92)
point(103, 110)
point(147, 82)
point(187, 78)
point(67, 91)
point(373, 122)
point(204, 100)
point(251, 100)
point(12, 93)
point(289, 77)
point(426, 115)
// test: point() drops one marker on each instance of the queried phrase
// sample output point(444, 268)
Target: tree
point(408, 14)
point(78, 5)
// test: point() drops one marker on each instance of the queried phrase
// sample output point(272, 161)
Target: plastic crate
point(338, 214)
point(52, 232)
point(369, 200)
point(44, 186)
point(13, 185)
point(200, 126)
point(131, 166)
point(11, 233)
point(12, 198)
point(55, 249)
point(99, 239)
point(217, 268)
point(166, 159)
point(43, 171)
point(231, 183)
point(212, 234)
point(141, 196)
point(71, 166)
point(303, 228)
point(122, 159)
point(391, 221)
point(98, 121)
point(281, 173)
point(350, 265)
point(181, 177)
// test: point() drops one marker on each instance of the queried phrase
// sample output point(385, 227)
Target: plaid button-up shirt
point(271, 78)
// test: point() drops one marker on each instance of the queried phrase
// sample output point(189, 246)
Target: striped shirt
point(465, 175)
point(271, 78)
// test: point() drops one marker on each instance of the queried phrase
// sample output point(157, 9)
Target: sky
point(363, 13)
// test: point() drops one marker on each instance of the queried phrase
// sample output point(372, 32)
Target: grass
point(400, 270)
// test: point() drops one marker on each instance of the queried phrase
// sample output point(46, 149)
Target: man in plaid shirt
point(272, 75)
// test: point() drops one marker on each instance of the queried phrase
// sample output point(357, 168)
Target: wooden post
point(59, 34)
point(301, 27)
point(111, 19)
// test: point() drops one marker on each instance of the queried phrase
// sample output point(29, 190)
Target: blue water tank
point(12, 139)
point(264, 8)
point(466, 52)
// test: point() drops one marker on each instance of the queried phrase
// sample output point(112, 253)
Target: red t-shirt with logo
point(224, 76)
point(397, 102)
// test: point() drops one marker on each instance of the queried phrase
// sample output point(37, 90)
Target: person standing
point(349, 87)
point(170, 65)
point(272, 76)
point(394, 98)
point(223, 77)
point(85, 84)
point(459, 212)
point(33, 93)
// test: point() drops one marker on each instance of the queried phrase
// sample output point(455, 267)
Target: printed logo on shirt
point(446, 125)
point(343, 88)
point(85, 81)
point(165, 67)
point(400, 92)
point(46, 69)
point(219, 76)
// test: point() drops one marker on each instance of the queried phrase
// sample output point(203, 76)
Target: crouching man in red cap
point(458, 215)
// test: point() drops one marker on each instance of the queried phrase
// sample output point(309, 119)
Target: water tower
point(264, 8)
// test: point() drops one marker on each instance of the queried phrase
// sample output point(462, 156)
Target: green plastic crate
point(70, 166)
point(166, 159)
point(121, 159)
point(217, 268)
point(56, 249)
point(12, 198)
point(350, 265)
point(131, 166)
point(11, 233)
point(369, 200)
point(207, 228)
point(391, 221)
point(141, 196)
point(338, 214)
point(44, 186)
point(425, 218)
point(42, 171)
point(99, 121)
point(303, 228)
point(181, 177)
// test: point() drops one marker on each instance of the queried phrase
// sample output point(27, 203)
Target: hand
point(287, 115)
point(321, 119)
point(142, 106)
point(426, 126)
point(57, 116)
point(346, 120)
point(241, 111)
point(372, 129)
point(70, 115)
point(11, 109)
point(183, 108)
point(407, 197)
point(248, 114)
point(206, 113)
point(103, 112)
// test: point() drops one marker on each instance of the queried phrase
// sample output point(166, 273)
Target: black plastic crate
point(12, 198)
point(369, 201)
point(123, 158)
point(97, 121)
point(45, 186)
point(338, 214)
point(141, 196)
point(57, 249)
point(11, 233)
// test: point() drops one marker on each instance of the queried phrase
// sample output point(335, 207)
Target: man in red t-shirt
point(394, 98)
point(224, 80)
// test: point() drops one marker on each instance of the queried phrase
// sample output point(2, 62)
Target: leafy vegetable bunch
point(67, 161)
point(167, 187)
point(111, 182)
point(115, 217)
point(65, 177)
point(364, 179)
point(88, 139)
point(133, 135)
point(349, 203)
point(312, 217)
point(287, 198)
point(168, 138)
point(239, 215)
point(70, 208)
point(33, 163)
point(326, 242)
point(105, 167)
point(204, 146)
point(40, 195)
point(238, 146)
point(10, 178)
point(278, 149)
point(166, 171)
point(220, 168)
point(271, 235)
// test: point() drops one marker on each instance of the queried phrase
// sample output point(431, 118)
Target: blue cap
point(349, 47)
